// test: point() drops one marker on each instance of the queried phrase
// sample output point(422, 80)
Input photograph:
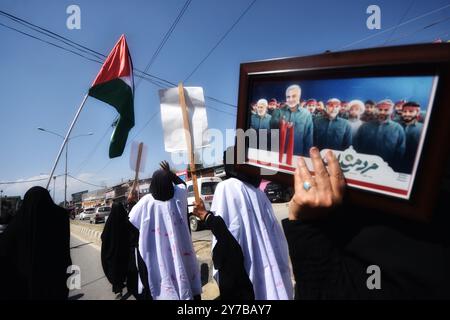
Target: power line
point(393, 27)
point(158, 81)
point(51, 34)
point(220, 40)
point(400, 21)
point(142, 129)
point(166, 37)
point(231, 114)
point(48, 42)
point(89, 183)
point(27, 181)
point(90, 154)
point(415, 32)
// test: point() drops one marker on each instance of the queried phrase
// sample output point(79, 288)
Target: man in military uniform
point(370, 112)
point(413, 131)
point(397, 114)
point(261, 120)
point(331, 131)
point(300, 120)
point(311, 105)
point(382, 137)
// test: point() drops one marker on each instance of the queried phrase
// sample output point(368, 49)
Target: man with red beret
point(331, 131)
point(311, 105)
point(383, 137)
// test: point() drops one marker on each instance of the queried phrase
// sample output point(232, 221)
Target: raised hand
point(315, 195)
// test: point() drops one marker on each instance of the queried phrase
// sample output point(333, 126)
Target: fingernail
point(314, 151)
point(330, 154)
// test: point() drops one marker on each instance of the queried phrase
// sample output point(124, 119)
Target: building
point(77, 199)
point(9, 206)
point(94, 198)
point(214, 171)
point(116, 193)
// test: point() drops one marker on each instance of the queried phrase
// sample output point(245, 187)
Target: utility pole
point(67, 147)
point(54, 180)
point(1, 196)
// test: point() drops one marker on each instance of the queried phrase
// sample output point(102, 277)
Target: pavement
point(85, 252)
point(94, 285)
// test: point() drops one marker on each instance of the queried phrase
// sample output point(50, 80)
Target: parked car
point(207, 187)
point(100, 215)
point(87, 213)
point(278, 193)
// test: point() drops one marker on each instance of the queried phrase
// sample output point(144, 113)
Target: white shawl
point(249, 216)
point(166, 247)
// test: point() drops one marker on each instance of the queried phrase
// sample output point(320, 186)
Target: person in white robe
point(164, 240)
point(249, 217)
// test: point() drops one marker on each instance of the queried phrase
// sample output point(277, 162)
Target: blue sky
point(42, 86)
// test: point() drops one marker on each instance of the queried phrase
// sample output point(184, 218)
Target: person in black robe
point(227, 255)
point(35, 250)
point(335, 249)
point(228, 258)
point(118, 254)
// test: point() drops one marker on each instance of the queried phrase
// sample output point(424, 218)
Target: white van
point(206, 188)
point(87, 214)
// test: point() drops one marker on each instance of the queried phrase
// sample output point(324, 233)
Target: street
point(94, 285)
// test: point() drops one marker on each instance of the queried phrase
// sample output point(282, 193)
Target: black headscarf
point(161, 187)
point(35, 250)
point(232, 173)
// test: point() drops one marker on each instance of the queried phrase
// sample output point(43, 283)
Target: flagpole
point(66, 138)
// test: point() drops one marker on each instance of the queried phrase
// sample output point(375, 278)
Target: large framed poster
point(384, 112)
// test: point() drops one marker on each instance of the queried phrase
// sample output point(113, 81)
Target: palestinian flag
point(114, 85)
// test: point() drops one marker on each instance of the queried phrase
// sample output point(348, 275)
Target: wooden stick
point(138, 165)
point(188, 136)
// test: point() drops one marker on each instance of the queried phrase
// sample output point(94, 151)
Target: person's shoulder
point(230, 183)
point(395, 125)
point(180, 191)
point(145, 200)
point(304, 112)
point(320, 119)
point(344, 122)
point(180, 186)
point(368, 124)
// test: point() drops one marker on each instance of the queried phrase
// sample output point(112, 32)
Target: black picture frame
point(412, 60)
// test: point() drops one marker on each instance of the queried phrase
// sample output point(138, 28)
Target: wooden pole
point(188, 136)
point(138, 165)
